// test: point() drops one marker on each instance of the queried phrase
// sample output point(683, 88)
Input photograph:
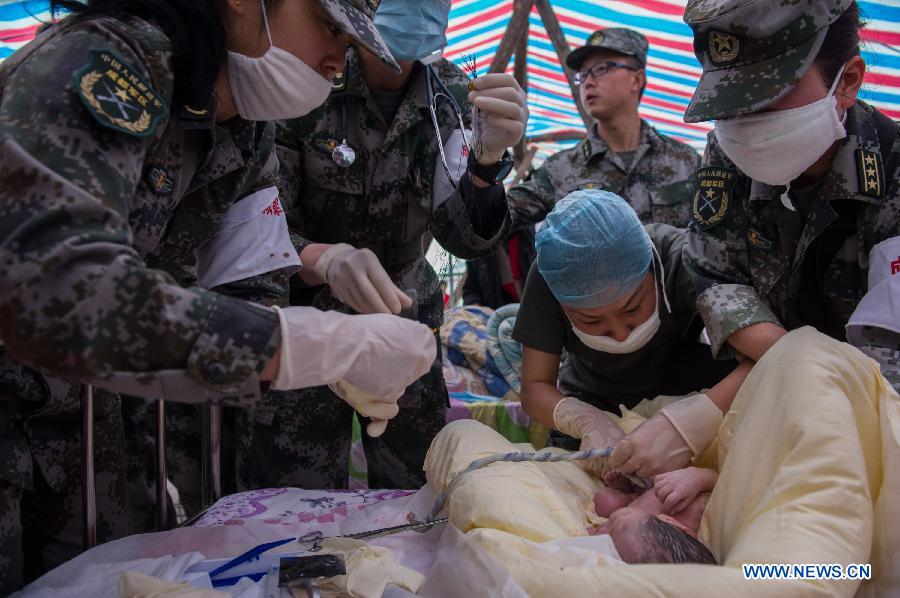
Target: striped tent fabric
point(477, 26)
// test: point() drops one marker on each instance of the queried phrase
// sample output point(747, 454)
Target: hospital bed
point(816, 480)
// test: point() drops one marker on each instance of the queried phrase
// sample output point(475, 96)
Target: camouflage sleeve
point(270, 288)
point(76, 299)
point(531, 200)
point(716, 256)
point(884, 347)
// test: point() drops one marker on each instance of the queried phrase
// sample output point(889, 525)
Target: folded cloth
point(369, 570)
point(506, 351)
point(133, 584)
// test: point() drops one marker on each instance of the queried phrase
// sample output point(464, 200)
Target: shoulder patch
point(870, 172)
point(117, 96)
point(713, 198)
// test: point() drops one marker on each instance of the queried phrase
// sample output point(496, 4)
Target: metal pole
point(162, 496)
point(212, 458)
point(88, 484)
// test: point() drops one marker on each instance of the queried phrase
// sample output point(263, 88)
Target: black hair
point(841, 43)
point(196, 29)
point(668, 544)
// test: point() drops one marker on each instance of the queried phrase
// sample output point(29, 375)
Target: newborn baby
point(659, 525)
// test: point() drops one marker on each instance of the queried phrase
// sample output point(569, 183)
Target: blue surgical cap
point(592, 250)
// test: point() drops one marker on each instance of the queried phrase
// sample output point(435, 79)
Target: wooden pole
point(523, 168)
point(515, 31)
point(520, 71)
point(557, 136)
point(554, 30)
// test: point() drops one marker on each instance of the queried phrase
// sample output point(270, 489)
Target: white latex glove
point(379, 409)
point(358, 279)
point(670, 439)
point(595, 428)
point(504, 113)
point(369, 359)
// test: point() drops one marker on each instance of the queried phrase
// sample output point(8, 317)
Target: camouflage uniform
point(103, 203)
point(754, 258)
point(383, 201)
point(657, 184)
point(748, 252)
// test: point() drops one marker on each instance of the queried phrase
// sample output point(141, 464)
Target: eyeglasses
point(600, 69)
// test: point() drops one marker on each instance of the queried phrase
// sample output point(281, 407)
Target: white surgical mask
point(638, 337)
point(777, 147)
point(276, 85)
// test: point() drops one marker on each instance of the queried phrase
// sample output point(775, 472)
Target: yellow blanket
point(809, 460)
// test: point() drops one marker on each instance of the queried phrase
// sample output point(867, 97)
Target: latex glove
point(503, 108)
point(370, 359)
point(669, 439)
point(595, 428)
point(369, 405)
point(358, 279)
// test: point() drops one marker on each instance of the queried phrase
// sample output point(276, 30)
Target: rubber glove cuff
point(328, 256)
point(697, 421)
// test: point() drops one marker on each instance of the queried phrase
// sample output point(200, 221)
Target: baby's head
point(641, 537)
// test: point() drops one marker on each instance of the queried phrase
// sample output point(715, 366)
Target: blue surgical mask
point(413, 29)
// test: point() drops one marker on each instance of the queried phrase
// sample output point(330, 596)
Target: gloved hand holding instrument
point(670, 439)
point(368, 359)
point(357, 278)
point(593, 427)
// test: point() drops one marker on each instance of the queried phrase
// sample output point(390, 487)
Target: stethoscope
point(344, 155)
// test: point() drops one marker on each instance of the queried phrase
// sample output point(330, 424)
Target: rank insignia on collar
point(327, 145)
point(870, 172)
point(713, 198)
point(339, 82)
point(758, 240)
point(117, 96)
point(161, 182)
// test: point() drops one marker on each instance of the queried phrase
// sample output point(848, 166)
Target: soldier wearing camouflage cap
point(141, 232)
point(622, 152)
point(797, 186)
point(366, 219)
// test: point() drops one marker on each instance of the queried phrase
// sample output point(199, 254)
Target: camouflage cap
point(355, 17)
point(617, 39)
point(753, 51)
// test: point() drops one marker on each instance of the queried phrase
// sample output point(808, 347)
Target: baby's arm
point(677, 489)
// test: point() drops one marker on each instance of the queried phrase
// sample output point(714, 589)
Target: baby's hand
point(677, 489)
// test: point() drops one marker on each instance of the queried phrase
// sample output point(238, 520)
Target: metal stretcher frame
point(212, 471)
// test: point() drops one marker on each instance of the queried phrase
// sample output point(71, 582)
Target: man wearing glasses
point(622, 152)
